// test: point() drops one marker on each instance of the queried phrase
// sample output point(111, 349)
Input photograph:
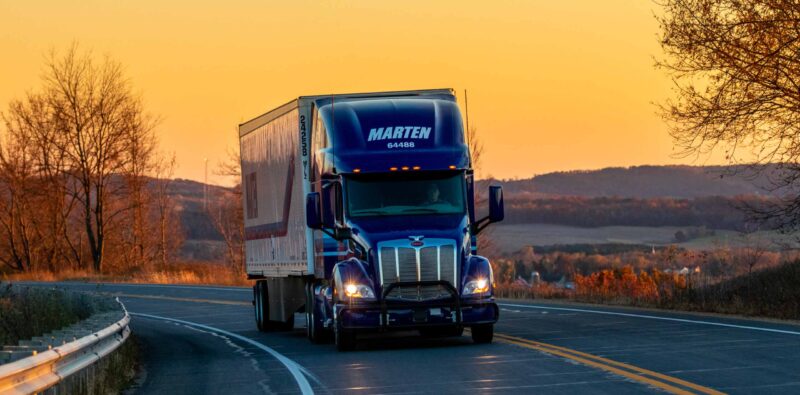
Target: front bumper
point(422, 315)
point(395, 314)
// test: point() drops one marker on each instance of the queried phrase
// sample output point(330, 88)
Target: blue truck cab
point(389, 219)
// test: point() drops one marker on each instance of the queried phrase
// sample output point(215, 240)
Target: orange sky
point(553, 85)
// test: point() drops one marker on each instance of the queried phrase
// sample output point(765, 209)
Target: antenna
point(205, 187)
point(333, 142)
point(466, 110)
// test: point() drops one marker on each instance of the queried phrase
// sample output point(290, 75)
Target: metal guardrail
point(44, 369)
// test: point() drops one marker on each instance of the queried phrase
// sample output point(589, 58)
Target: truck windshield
point(418, 196)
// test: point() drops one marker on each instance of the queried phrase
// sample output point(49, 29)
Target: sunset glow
point(552, 85)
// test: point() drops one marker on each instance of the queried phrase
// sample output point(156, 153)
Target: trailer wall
point(273, 198)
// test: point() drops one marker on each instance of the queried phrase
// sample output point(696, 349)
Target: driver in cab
point(432, 196)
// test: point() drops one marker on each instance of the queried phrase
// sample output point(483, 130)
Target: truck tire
point(482, 334)
point(314, 330)
point(261, 304)
point(345, 339)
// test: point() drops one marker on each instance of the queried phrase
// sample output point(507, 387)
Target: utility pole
point(205, 188)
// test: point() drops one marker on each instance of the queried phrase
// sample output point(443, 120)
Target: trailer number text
point(402, 144)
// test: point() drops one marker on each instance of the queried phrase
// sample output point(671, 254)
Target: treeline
point(531, 266)
point(714, 212)
point(649, 182)
point(770, 292)
point(81, 182)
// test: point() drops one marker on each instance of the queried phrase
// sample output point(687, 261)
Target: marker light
point(360, 291)
point(393, 168)
point(415, 167)
point(452, 167)
point(404, 167)
point(356, 170)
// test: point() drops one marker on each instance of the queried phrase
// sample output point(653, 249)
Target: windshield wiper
point(422, 209)
point(368, 212)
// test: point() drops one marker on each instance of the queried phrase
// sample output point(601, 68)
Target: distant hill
point(645, 182)
point(701, 196)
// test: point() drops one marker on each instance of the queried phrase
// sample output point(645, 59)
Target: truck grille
point(400, 262)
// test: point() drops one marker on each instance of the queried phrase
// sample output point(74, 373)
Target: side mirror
point(496, 210)
point(328, 204)
point(496, 207)
point(313, 214)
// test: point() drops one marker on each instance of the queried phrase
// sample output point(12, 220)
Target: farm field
point(511, 237)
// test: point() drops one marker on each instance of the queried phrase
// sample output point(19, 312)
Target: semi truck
point(359, 216)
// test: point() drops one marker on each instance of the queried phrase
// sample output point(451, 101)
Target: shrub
point(28, 312)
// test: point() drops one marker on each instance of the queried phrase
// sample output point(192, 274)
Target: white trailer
point(274, 154)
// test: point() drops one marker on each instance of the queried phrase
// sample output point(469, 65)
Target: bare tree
point(226, 212)
point(141, 162)
point(736, 71)
point(31, 136)
point(486, 244)
point(475, 148)
point(17, 176)
point(51, 167)
point(98, 116)
point(751, 255)
point(76, 166)
point(169, 239)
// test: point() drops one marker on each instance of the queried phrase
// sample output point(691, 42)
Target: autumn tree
point(80, 173)
point(60, 241)
point(736, 71)
point(226, 213)
point(169, 236)
point(102, 125)
point(139, 164)
point(475, 145)
point(17, 189)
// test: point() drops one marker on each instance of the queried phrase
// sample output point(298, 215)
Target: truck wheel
point(261, 304)
point(345, 339)
point(482, 334)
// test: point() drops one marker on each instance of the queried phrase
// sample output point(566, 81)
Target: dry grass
point(538, 291)
point(28, 312)
point(179, 273)
point(770, 293)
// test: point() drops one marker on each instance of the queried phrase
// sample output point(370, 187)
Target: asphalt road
point(203, 340)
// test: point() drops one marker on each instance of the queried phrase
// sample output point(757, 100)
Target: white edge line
point(234, 289)
point(653, 317)
point(294, 368)
point(146, 285)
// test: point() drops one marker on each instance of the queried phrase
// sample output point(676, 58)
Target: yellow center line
point(193, 300)
point(632, 372)
point(656, 379)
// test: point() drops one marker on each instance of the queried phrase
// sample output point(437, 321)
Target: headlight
point(360, 291)
point(477, 286)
